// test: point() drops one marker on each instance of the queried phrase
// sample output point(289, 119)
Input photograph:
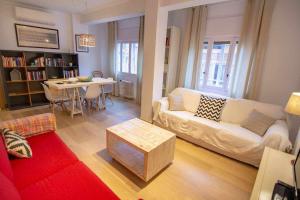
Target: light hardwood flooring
point(196, 173)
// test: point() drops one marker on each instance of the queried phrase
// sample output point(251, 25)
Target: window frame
point(226, 76)
point(130, 42)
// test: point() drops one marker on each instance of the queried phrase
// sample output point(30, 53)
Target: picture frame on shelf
point(37, 37)
point(78, 47)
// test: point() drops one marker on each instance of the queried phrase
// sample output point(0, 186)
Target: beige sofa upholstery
point(227, 136)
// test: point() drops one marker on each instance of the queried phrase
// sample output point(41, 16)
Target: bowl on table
point(84, 78)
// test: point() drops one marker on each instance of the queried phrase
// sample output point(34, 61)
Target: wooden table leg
point(103, 97)
point(79, 100)
point(73, 103)
point(76, 109)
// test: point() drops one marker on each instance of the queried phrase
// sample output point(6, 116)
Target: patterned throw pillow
point(16, 145)
point(210, 107)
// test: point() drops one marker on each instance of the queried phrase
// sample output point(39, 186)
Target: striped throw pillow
point(210, 107)
point(16, 144)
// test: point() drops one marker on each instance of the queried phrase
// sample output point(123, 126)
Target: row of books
point(55, 62)
point(70, 73)
point(13, 61)
point(40, 62)
point(36, 75)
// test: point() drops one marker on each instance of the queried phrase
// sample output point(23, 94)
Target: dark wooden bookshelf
point(35, 67)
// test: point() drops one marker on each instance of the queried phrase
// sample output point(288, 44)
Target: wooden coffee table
point(143, 148)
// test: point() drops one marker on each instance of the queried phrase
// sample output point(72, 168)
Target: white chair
point(107, 92)
point(55, 98)
point(92, 95)
point(107, 89)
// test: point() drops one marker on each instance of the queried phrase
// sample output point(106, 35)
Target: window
point(216, 63)
point(126, 57)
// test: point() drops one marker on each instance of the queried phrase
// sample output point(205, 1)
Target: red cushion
point(7, 189)
point(75, 182)
point(5, 166)
point(49, 155)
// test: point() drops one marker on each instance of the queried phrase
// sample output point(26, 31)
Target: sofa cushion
point(16, 144)
point(7, 189)
point(258, 122)
point(175, 102)
point(210, 107)
point(190, 97)
point(50, 155)
point(5, 166)
point(209, 130)
point(75, 182)
point(237, 110)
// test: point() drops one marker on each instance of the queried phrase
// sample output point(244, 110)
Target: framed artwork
point(78, 47)
point(36, 37)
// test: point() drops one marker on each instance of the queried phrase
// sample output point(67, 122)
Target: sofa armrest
point(277, 137)
point(160, 105)
point(32, 125)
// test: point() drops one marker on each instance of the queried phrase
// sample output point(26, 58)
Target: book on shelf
point(38, 62)
point(70, 73)
point(55, 62)
point(36, 75)
point(13, 61)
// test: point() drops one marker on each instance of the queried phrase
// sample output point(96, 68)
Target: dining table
point(72, 87)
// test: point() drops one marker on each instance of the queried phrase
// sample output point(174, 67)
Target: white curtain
point(192, 46)
point(246, 76)
point(140, 61)
point(112, 41)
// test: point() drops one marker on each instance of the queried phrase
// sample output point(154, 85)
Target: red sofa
point(53, 172)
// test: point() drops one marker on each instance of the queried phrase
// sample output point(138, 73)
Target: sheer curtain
point(112, 41)
point(246, 76)
point(140, 61)
point(192, 46)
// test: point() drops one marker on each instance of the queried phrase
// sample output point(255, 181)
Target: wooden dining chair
point(55, 98)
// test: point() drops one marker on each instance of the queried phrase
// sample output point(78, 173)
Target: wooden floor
point(195, 173)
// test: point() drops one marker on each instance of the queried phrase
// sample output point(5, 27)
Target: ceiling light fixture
point(87, 40)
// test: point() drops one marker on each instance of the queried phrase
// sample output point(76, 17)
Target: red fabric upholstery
point(53, 172)
point(75, 182)
point(5, 166)
point(7, 189)
point(49, 155)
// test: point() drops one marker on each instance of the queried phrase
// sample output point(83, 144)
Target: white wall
point(96, 58)
point(8, 40)
point(281, 74)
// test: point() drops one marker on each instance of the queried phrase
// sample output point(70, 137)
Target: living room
point(140, 99)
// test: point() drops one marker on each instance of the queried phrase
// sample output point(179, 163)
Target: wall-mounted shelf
point(34, 70)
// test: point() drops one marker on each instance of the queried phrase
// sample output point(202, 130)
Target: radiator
point(126, 89)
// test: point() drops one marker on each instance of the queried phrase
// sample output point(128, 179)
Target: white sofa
point(226, 137)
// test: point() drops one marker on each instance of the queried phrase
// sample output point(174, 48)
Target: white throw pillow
point(175, 102)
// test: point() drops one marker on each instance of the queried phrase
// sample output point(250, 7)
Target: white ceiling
point(71, 6)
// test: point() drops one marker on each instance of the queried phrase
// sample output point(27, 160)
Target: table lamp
point(293, 105)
